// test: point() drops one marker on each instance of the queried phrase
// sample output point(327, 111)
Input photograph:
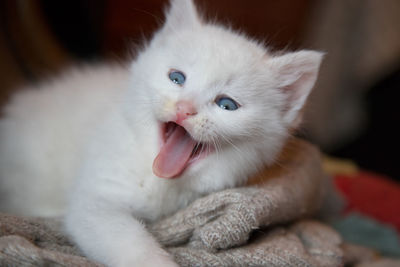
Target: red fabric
point(373, 195)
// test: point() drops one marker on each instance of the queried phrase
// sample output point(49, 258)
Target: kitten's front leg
point(109, 234)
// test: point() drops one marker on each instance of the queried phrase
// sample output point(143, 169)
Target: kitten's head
point(219, 97)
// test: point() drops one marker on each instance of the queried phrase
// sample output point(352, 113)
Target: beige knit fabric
point(291, 189)
point(306, 243)
point(255, 225)
point(36, 242)
point(40, 242)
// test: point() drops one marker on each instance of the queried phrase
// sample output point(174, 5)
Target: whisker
point(230, 142)
point(217, 146)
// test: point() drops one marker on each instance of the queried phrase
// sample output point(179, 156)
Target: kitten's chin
point(178, 151)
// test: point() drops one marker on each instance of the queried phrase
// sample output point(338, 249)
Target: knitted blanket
point(261, 224)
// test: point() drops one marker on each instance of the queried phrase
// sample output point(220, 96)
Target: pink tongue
point(174, 154)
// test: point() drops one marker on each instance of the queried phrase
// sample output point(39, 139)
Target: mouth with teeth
point(178, 151)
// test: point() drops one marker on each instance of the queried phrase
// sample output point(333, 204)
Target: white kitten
point(199, 110)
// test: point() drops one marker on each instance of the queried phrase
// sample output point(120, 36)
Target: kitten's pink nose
point(184, 109)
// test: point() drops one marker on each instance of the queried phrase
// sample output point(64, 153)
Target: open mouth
point(178, 150)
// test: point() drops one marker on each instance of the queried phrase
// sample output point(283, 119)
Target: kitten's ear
point(181, 13)
point(295, 75)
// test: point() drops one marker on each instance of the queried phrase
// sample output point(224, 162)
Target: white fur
point(93, 134)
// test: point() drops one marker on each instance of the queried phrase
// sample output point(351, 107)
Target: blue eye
point(226, 103)
point(177, 77)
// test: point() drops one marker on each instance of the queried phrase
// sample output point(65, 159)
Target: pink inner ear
point(295, 74)
point(297, 91)
point(296, 95)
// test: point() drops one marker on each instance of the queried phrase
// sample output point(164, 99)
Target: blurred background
point(353, 112)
